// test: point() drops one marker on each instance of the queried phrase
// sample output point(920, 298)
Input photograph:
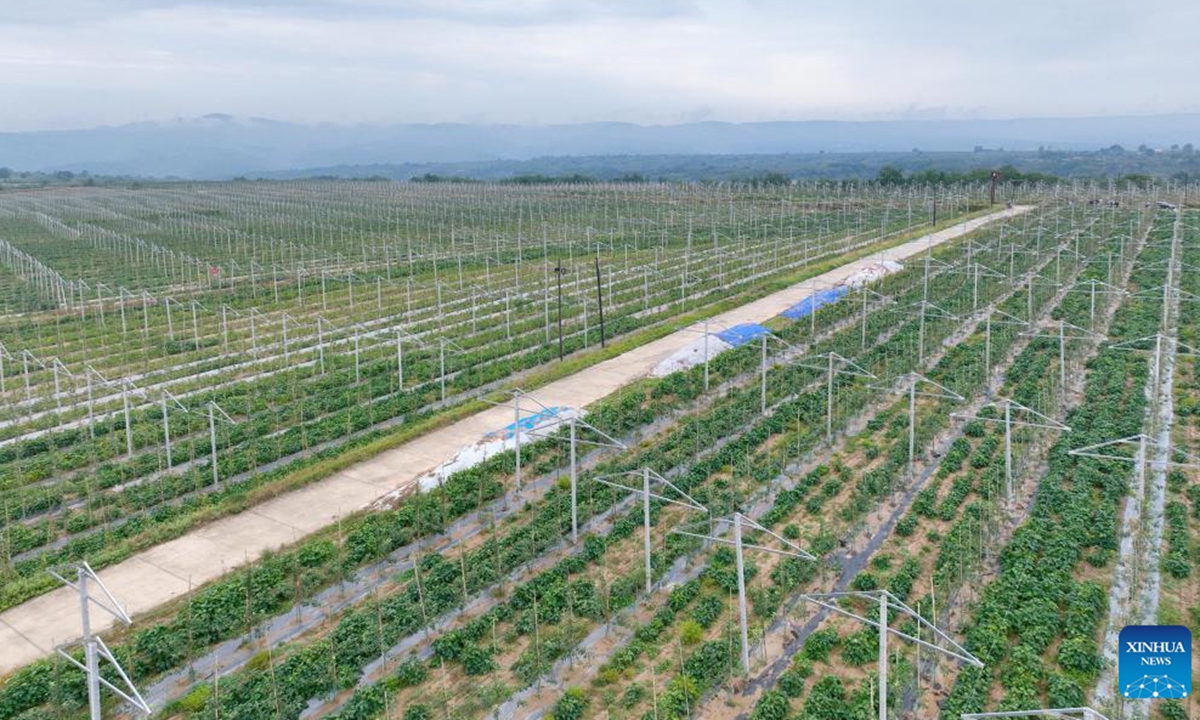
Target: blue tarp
point(805, 307)
point(741, 334)
point(530, 422)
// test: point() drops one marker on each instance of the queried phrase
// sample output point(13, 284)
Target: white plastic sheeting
point(691, 355)
point(717, 343)
point(530, 428)
point(872, 273)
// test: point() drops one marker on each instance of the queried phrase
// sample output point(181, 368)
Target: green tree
point(890, 175)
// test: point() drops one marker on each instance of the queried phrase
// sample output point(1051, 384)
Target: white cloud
point(546, 61)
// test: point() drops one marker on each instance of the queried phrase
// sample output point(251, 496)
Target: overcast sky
point(77, 63)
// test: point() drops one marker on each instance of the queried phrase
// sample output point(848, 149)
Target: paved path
point(165, 572)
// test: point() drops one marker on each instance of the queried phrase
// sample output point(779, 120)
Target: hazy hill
point(804, 166)
point(221, 146)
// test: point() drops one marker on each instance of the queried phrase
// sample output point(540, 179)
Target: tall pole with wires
point(740, 525)
point(94, 649)
point(835, 602)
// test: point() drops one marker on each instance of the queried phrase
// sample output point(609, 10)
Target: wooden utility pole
point(559, 271)
point(997, 176)
point(599, 298)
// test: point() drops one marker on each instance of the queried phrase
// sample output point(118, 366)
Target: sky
point(81, 63)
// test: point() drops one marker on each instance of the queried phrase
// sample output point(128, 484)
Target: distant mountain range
point(221, 146)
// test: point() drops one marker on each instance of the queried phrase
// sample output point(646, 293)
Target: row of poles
point(655, 487)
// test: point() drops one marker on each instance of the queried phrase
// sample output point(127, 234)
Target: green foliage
point(1035, 602)
point(865, 581)
point(722, 569)
point(772, 178)
point(709, 663)
point(901, 582)
point(410, 672)
point(861, 647)
point(1172, 710)
point(1081, 656)
point(708, 609)
point(791, 682)
point(773, 705)
point(634, 693)
point(1062, 691)
point(890, 175)
point(571, 706)
point(827, 701)
point(679, 699)
point(565, 591)
point(819, 644)
point(690, 632)
point(195, 700)
point(27, 688)
point(418, 712)
point(1176, 561)
point(476, 660)
point(539, 179)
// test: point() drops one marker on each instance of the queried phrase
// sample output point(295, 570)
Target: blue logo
point(1155, 662)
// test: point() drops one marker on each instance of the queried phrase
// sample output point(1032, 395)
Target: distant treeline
point(532, 179)
point(15, 179)
point(1115, 162)
point(888, 175)
point(892, 175)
